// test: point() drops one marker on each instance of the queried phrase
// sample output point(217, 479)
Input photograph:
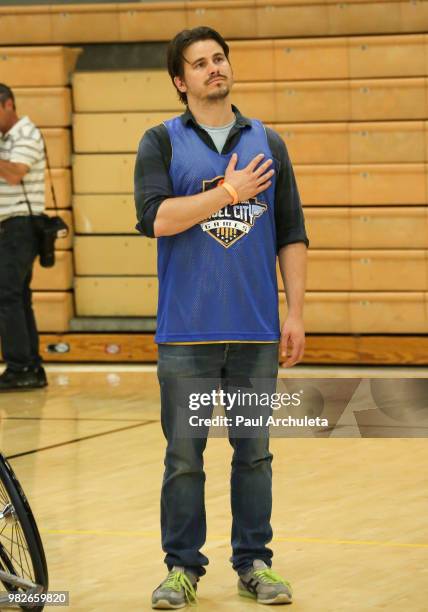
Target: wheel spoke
point(19, 552)
point(3, 494)
point(11, 541)
point(18, 546)
point(25, 550)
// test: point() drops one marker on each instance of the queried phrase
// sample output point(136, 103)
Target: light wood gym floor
point(349, 515)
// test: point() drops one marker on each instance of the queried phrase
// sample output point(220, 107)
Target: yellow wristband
point(231, 191)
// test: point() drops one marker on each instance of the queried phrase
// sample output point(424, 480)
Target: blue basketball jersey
point(217, 280)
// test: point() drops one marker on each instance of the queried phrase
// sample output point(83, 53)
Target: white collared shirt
point(23, 144)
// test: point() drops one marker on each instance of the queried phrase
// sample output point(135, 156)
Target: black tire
point(27, 532)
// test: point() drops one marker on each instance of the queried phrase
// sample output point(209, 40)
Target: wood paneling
point(329, 270)
point(84, 23)
point(112, 132)
point(57, 278)
point(414, 16)
point(388, 184)
point(387, 56)
point(256, 100)
point(281, 18)
point(294, 59)
point(312, 101)
point(116, 296)
point(61, 178)
point(104, 214)
point(392, 313)
point(357, 17)
point(319, 349)
point(387, 142)
point(37, 66)
point(382, 99)
point(324, 311)
point(103, 173)
point(315, 143)
point(389, 227)
point(99, 347)
point(233, 18)
point(151, 21)
point(366, 270)
point(58, 143)
point(362, 184)
point(114, 255)
point(323, 184)
point(388, 270)
point(25, 25)
point(53, 310)
point(149, 90)
point(252, 60)
point(328, 227)
point(364, 312)
point(47, 106)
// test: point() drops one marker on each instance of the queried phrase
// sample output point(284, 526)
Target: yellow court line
point(226, 537)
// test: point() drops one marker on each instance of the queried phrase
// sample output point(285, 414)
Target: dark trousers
point(183, 519)
point(18, 331)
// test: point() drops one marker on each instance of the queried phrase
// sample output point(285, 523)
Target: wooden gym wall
point(352, 111)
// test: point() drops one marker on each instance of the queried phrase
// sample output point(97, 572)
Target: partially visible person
point(22, 180)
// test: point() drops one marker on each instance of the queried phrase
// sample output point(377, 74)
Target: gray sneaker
point(177, 590)
point(263, 584)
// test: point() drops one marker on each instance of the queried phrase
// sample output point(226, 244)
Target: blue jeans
point(183, 518)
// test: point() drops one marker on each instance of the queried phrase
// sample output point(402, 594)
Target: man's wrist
point(231, 191)
point(226, 198)
point(295, 314)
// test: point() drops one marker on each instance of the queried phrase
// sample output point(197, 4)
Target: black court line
point(82, 439)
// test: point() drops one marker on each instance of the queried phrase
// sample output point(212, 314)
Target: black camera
point(48, 230)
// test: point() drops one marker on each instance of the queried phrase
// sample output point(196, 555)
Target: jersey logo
point(231, 223)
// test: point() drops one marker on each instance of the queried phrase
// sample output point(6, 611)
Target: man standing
point(22, 178)
point(218, 191)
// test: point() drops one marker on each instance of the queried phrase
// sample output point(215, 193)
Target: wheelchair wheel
point(21, 549)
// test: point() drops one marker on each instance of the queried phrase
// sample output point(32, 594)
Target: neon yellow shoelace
point(179, 580)
point(268, 576)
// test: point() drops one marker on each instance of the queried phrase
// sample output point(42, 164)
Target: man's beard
point(219, 93)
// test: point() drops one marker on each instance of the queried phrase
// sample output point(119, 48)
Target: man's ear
point(180, 84)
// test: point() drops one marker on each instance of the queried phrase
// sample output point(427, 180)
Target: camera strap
point(48, 167)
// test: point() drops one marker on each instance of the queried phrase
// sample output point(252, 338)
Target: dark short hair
point(6, 94)
point(180, 42)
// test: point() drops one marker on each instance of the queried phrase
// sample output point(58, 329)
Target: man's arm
point(12, 172)
point(26, 151)
point(291, 243)
point(152, 183)
point(292, 263)
point(176, 215)
point(160, 213)
point(289, 218)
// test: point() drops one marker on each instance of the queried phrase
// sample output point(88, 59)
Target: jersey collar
point(241, 121)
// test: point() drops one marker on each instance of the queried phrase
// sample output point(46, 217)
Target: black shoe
point(12, 380)
point(41, 376)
